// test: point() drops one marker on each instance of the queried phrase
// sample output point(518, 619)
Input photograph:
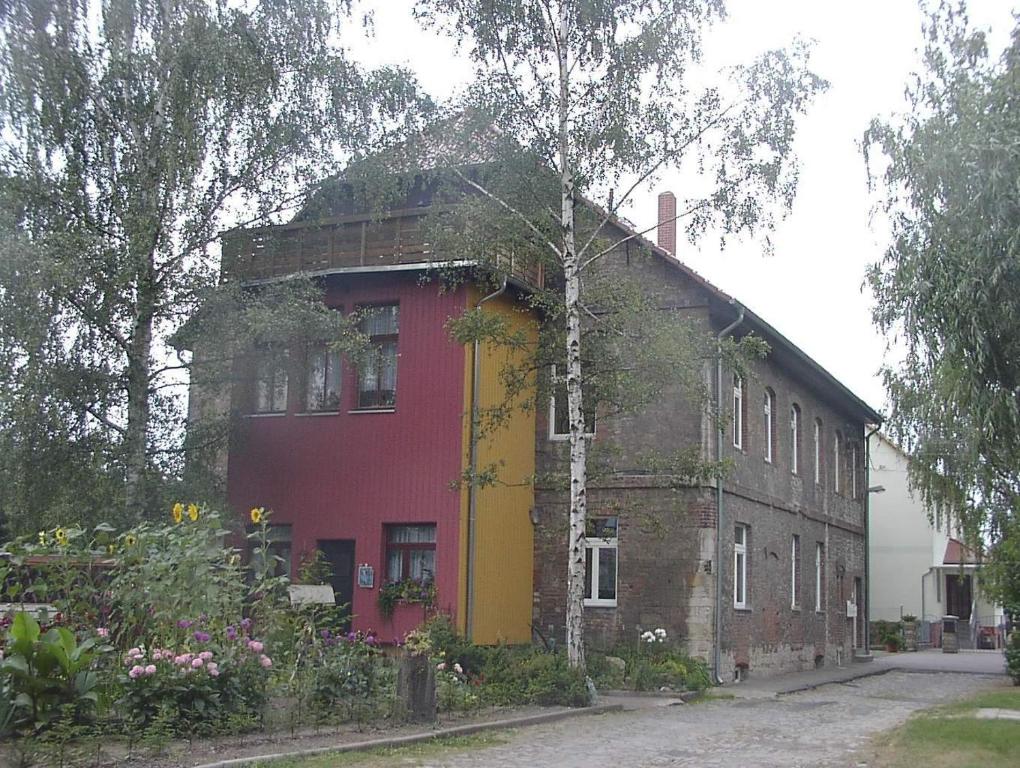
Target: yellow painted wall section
point(504, 534)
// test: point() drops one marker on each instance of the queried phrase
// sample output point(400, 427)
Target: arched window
point(818, 451)
point(738, 412)
point(836, 456)
point(795, 439)
point(769, 409)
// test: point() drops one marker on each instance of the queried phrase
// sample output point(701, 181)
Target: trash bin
point(950, 643)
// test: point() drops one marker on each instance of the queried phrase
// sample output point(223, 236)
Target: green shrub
point(1013, 656)
point(529, 676)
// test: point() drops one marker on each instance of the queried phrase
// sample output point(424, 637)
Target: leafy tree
point(574, 101)
point(948, 287)
point(132, 132)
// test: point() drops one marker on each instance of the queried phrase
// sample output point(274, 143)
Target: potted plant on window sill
point(406, 591)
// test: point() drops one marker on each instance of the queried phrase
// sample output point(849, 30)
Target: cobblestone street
point(829, 726)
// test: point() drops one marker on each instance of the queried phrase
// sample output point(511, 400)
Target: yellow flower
point(256, 515)
point(130, 540)
point(42, 537)
point(61, 536)
point(193, 512)
point(111, 549)
point(235, 559)
point(178, 512)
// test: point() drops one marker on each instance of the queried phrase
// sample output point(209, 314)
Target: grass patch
point(392, 756)
point(950, 737)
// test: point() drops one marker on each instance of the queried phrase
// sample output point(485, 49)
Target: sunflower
point(130, 540)
point(193, 512)
point(256, 515)
point(177, 512)
point(61, 536)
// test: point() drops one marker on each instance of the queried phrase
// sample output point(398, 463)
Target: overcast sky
point(811, 288)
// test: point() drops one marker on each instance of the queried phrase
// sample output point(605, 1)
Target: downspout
point(476, 386)
point(719, 437)
point(867, 543)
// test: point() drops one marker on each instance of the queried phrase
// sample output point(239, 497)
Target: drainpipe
point(719, 437)
point(867, 543)
point(476, 386)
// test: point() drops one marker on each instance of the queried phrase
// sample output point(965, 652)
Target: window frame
point(738, 411)
point(795, 439)
point(596, 544)
point(740, 557)
point(278, 357)
point(329, 355)
point(795, 572)
point(406, 548)
point(853, 471)
point(375, 343)
point(818, 452)
point(819, 577)
point(837, 487)
point(590, 424)
point(769, 414)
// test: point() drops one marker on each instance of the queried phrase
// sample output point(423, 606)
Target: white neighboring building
point(915, 568)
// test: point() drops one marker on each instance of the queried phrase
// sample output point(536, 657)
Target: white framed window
point(740, 541)
point(819, 577)
point(818, 451)
point(322, 378)
point(836, 488)
point(853, 471)
point(770, 424)
point(738, 412)
point(795, 439)
point(559, 414)
point(377, 371)
point(601, 562)
point(271, 366)
point(411, 553)
point(795, 571)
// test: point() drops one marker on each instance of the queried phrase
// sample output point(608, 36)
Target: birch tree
point(132, 132)
point(576, 105)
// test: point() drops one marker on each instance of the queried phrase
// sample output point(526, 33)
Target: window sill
point(372, 410)
point(600, 604)
point(742, 609)
point(318, 413)
point(267, 415)
point(795, 608)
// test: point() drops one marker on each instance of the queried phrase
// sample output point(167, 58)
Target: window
point(836, 461)
point(600, 562)
point(738, 412)
point(559, 415)
point(819, 577)
point(770, 424)
point(271, 380)
point(853, 471)
point(795, 439)
point(818, 451)
point(377, 373)
point(411, 553)
point(740, 536)
point(322, 378)
point(795, 572)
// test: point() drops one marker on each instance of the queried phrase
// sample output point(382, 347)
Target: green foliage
point(948, 286)
point(47, 672)
point(405, 591)
point(650, 666)
point(133, 135)
point(1013, 657)
point(525, 675)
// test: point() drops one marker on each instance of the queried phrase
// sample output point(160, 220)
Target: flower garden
point(115, 643)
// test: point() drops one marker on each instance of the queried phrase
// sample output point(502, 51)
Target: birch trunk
point(578, 446)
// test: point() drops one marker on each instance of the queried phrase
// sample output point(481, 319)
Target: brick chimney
point(667, 222)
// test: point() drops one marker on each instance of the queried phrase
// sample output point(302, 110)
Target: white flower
point(441, 666)
point(660, 632)
point(458, 669)
point(648, 636)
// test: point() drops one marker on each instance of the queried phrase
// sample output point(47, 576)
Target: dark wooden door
point(340, 555)
point(958, 596)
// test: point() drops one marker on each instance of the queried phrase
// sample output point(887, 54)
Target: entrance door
point(958, 596)
point(340, 555)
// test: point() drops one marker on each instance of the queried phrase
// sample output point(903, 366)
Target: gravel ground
point(828, 726)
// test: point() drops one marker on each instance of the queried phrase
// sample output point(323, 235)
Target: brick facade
point(667, 574)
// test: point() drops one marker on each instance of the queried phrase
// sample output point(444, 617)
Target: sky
point(811, 288)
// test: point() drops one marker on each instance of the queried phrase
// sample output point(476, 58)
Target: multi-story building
point(918, 566)
point(363, 465)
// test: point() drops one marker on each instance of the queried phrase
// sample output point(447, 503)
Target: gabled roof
point(730, 305)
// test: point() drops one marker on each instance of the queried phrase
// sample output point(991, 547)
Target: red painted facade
point(345, 476)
